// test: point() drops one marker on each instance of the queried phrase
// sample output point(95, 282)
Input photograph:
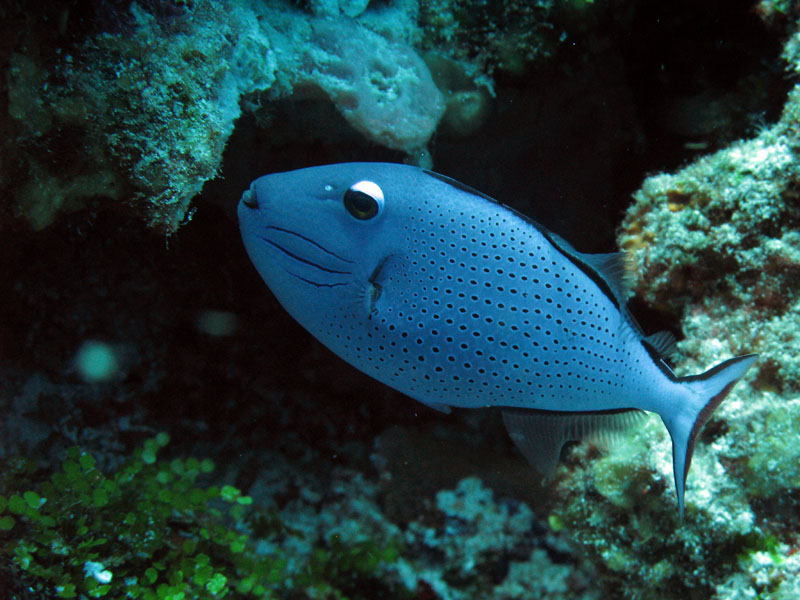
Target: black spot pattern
point(481, 309)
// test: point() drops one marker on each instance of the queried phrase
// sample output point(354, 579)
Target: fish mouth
point(249, 198)
point(307, 260)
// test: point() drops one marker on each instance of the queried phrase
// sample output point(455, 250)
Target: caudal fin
point(706, 392)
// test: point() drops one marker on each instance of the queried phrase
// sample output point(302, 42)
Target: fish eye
point(363, 200)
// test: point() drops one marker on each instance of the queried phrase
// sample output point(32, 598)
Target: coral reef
point(715, 245)
point(107, 335)
point(150, 104)
point(486, 548)
point(144, 113)
point(733, 214)
point(485, 36)
point(620, 509)
point(380, 85)
point(150, 530)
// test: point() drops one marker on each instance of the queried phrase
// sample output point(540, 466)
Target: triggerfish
point(456, 300)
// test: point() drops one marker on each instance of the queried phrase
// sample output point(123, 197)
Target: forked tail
point(707, 391)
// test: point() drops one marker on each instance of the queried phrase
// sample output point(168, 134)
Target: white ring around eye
point(370, 188)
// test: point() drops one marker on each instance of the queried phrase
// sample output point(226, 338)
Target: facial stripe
point(301, 259)
point(310, 241)
point(314, 283)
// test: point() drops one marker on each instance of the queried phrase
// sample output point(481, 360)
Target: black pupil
point(360, 205)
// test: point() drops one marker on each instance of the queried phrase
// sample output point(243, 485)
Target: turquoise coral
point(148, 107)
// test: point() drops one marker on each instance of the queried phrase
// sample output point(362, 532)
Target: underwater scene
point(400, 299)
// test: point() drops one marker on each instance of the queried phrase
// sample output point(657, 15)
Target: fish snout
point(250, 198)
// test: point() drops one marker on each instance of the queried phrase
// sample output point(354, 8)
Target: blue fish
point(456, 300)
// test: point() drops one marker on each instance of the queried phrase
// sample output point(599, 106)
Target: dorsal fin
point(613, 272)
point(615, 268)
point(664, 343)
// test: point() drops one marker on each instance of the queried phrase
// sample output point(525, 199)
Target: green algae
point(150, 530)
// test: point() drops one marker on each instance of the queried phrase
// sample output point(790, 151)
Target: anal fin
point(443, 408)
point(540, 435)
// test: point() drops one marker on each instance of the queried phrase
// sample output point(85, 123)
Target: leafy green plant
point(758, 542)
point(339, 569)
point(149, 531)
point(146, 531)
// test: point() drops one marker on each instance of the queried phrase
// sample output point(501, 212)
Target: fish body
point(458, 301)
